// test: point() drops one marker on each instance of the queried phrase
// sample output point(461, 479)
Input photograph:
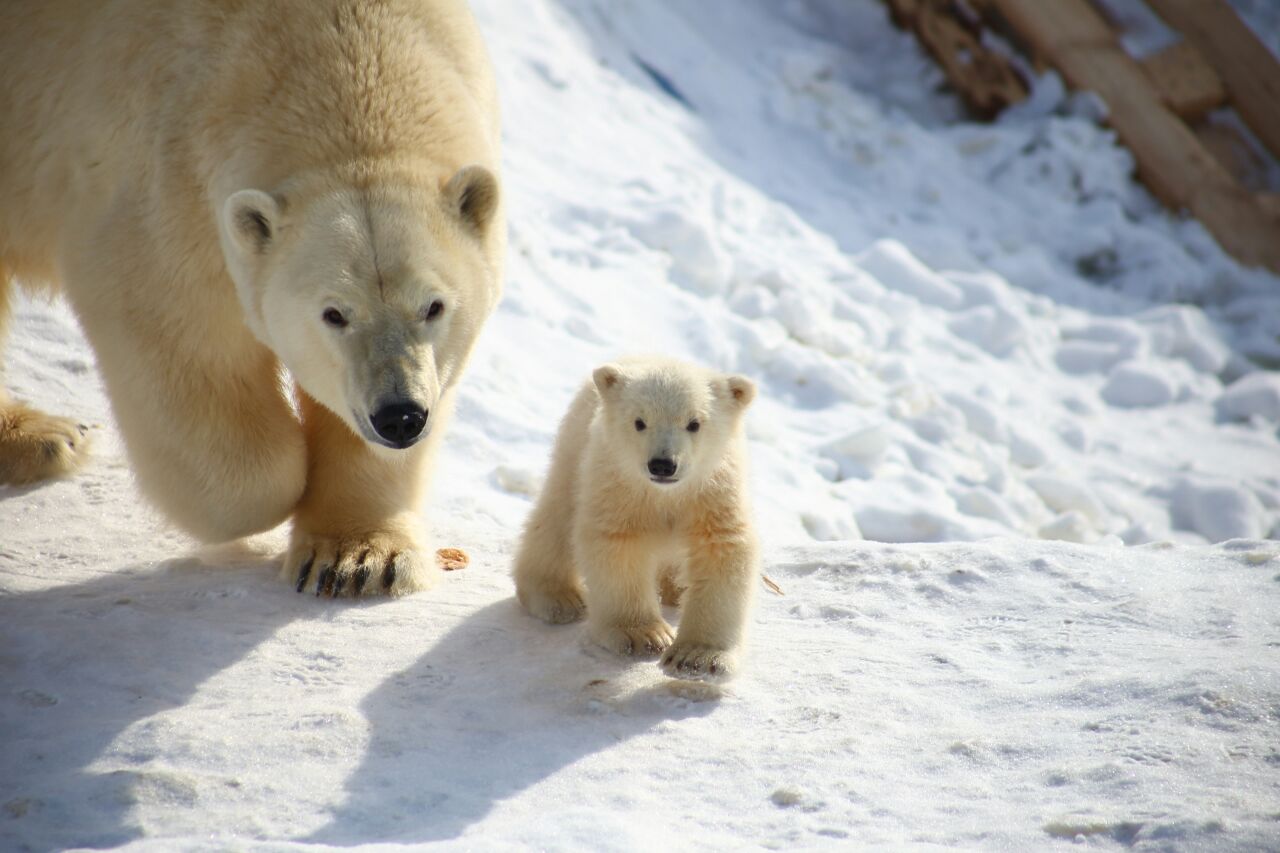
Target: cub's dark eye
point(639, 425)
point(694, 426)
point(435, 310)
point(334, 318)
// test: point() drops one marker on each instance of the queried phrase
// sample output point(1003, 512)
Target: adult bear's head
point(371, 296)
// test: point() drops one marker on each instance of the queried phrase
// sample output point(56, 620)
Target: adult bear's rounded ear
point(608, 379)
point(472, 193)
point(252, 219)
point(740, 390)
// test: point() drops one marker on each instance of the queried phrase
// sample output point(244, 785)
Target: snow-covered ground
point(972, 341)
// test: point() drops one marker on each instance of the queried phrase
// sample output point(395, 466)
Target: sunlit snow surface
point(960, 332)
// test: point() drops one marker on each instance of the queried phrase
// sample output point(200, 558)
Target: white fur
point(606, 537)
point(204, 180)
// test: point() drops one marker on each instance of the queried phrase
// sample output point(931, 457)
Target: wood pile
point(1158, 105)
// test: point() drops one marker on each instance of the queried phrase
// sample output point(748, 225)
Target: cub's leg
point(355, 531)
point(547, 581)
point(622, 601)
point(721, 575)
point(34, 446)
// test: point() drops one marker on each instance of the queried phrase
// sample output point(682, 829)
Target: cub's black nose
point(399, 423)
point(662, 467)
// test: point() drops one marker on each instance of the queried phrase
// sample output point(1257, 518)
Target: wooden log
point(1170, 159)
point(1270, 204)
point(1187, 84)
point(1250, 71)
point(1054, 28)
point(986, 81)
point(1228, 145)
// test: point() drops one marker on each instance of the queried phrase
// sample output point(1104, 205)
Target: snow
point(1015, 464)
point(1257, 394)
point(1136, 384)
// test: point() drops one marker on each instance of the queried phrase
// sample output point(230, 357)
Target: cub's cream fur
point(609, 536)
point(226, 190)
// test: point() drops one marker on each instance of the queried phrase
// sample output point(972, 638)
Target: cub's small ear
point(740, 390)
point(608, 378)
point(252, 219)
point(473, 194)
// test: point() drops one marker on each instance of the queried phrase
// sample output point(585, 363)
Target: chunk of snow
point(1183, 331)
point(1088, 356)
point(1253, 395)
point(1217, 511)
point(1071, 526)
point(893, 265)
point(994, 328)
point(1137, 384)
point(697, 260)
point(1061, 494)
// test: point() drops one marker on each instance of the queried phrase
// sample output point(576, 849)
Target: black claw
point(389, 573)
point(339, 581)
point(305, 571)
point(324, 580)
point(358, 582)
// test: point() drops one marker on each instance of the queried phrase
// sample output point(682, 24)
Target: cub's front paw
point(642, 640)
point(370, 564)
point(556, 606)
point(699, 662)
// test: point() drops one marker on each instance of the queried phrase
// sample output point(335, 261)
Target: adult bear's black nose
point(660, 467)
point(399, 423)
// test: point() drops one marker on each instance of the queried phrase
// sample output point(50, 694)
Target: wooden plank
point(986, 81)
point(1170, 159)
point(1227, 144)
point(1251, 73)
point(1187, 84)
point(1052, 28)
point(1270, 204)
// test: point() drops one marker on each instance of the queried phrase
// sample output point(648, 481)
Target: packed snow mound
point(986, 337)
point(1254, 396)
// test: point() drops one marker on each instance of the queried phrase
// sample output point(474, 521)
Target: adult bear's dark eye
point(435, 310)
point(694, 426)
point(334, 318)
point(639, 425)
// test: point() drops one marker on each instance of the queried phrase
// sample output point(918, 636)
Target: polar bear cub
point(647, 496)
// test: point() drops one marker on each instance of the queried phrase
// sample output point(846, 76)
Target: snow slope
point(961, 332)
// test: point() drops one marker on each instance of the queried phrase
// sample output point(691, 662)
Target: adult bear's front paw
point(698, 662)
point(367, 564)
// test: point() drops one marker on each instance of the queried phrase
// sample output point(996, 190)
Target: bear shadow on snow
point(84, 662)
point(497, 705)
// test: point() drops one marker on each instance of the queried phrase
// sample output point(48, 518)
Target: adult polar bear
point(222, 187)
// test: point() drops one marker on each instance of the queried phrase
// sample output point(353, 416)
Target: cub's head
point(371, 297)
point(668, 423)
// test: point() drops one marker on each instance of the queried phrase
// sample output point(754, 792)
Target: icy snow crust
point(960, 332)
